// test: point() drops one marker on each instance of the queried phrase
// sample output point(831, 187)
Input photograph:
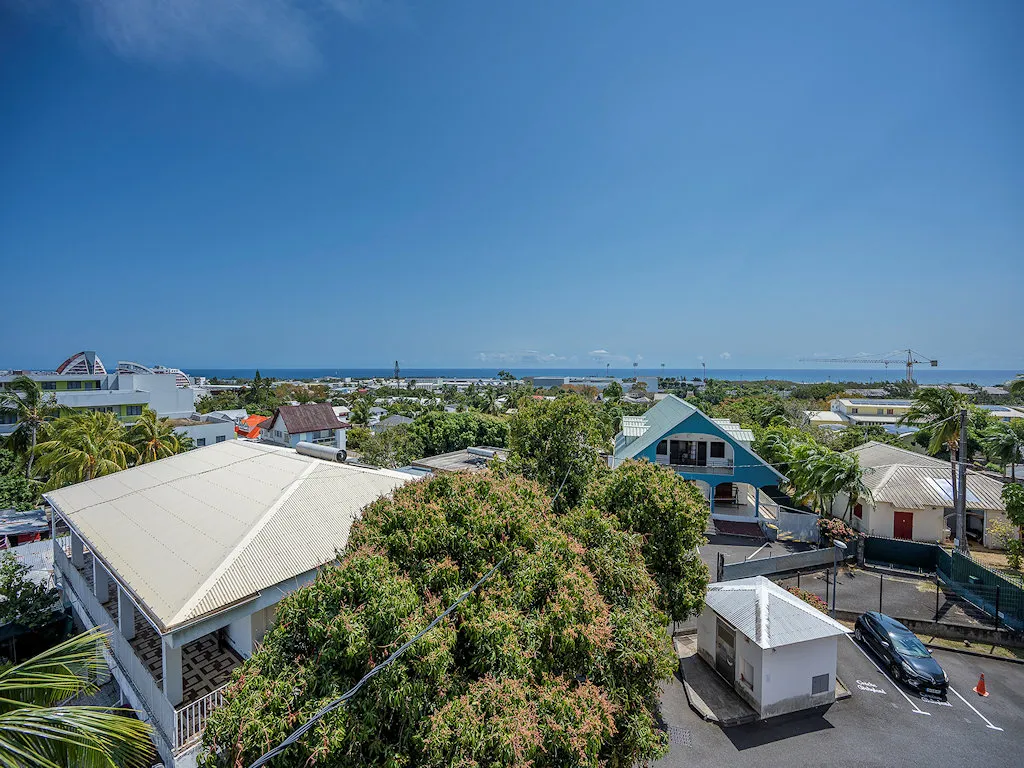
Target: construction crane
point(888, 359)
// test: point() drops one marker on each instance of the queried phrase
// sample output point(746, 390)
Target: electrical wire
point(340, 700)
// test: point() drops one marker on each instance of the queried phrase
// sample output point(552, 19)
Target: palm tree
point(25, 400)
point(937, 411)
point(153, 438)
point(38, 731)
point(84, 445)
point(1005, 444)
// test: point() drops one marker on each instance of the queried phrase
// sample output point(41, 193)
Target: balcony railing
point(190, 720)
point(692, 466)
point(178, 730)
point(119, 651)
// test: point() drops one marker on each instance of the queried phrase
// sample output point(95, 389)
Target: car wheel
point(857, 635)
point(894, 670)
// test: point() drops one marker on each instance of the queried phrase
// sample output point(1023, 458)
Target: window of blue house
point(718, 450)
point(663, 448)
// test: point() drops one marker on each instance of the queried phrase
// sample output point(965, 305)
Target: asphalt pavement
point(881, 724)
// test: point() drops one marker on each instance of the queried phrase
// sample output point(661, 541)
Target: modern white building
point(864, 411)
point(911, 497)
point(777, 652)
point(185, 560)
point(82, 382)
point(205, 432)
point(306, 423)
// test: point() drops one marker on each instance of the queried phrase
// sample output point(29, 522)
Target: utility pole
point(961, 482)
point(398, 375)
point(705, 367)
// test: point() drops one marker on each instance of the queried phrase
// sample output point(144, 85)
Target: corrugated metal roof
point(202, 530)
point(910, 480)
point(666, 415)
point(769, 615)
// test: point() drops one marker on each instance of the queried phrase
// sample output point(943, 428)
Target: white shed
point(778, 652)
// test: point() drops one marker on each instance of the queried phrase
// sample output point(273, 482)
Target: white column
point(100, 580)
point(125, 614)
point(172, 674)
point(77, 551)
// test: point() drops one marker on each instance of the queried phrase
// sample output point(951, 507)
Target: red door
point(903, 525)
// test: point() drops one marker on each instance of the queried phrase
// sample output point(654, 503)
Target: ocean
point(922, 374)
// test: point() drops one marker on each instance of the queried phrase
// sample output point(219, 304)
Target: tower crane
point(891, 358)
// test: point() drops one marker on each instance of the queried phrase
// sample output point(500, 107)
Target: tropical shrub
point(833, 529)
point(810, 598)
point(555, 661)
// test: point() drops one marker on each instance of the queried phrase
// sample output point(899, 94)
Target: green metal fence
point(899, 553)
point(993, 593)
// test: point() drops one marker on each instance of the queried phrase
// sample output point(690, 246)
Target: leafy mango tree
point(555, 661)
point(671, 516)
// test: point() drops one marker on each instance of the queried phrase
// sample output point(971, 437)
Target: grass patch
point(989, 649)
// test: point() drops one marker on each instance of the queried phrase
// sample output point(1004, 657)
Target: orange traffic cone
point(980, 687)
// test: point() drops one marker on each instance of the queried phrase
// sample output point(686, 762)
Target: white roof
point(634, 426)
point(737, 432)
point(829, 416)
point(769, 615)
point(203, 530)
point(910, 480)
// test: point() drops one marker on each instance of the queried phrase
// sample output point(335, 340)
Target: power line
point(340, 700)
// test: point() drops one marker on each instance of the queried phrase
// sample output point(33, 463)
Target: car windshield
point(908, 645)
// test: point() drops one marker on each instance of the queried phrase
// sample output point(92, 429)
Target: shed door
point(903, 525)
point(725, 651)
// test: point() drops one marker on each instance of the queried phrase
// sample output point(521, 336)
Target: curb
point(968, 652)
point(697, 705)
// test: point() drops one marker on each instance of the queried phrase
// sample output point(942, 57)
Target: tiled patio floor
point(205, 667)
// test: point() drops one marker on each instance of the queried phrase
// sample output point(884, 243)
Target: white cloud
point(240, 35)
point(725, 355)
point(598, 353)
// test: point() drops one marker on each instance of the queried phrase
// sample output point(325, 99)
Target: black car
point(909, 662)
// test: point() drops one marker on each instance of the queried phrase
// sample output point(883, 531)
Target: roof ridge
point(252, 533)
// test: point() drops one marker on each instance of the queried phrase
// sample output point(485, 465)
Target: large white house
point(777, 652)
point(911, 497)
point(186, 559)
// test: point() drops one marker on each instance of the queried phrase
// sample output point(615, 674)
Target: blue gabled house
point(714, 453)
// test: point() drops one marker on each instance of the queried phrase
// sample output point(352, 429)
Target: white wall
point(787, 673)
point(208, 431)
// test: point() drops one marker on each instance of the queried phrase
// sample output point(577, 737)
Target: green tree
point(612, 392)
point(671, 516)
point(554, 662)
point(23, 600)
point(391, 448)
point(84, 445)
point(153, 438)
point(360, 412)
point(16, 490)
point(506, 375)
point(38, 731)
point(1013, 500)
point(1016, 387)
point(936, 410)
point(441, 432)
point(557, 443)
point(25, 401)
point(1005, 443)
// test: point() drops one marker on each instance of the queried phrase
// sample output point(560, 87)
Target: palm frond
point(43, 737)
point(55, 674)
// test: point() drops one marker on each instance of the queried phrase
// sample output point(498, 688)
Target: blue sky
point(346, 182)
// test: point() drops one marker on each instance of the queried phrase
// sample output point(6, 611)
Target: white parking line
point(755, 552)
point(910, 701)
point(965, 701)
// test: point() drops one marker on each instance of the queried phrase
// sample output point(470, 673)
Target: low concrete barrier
point(767, 566)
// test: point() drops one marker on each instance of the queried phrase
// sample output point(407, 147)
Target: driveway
point(879, 725)
point(737, 549)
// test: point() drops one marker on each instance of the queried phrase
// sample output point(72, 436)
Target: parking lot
point(881, 724)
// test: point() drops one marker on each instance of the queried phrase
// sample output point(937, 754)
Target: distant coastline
point(800, 375)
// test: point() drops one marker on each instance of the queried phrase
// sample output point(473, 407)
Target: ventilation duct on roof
point(325, 452)
point(482, 452)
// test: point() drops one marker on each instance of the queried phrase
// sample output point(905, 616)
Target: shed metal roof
point(769, 615)
point(197, 532)
point(910, 480)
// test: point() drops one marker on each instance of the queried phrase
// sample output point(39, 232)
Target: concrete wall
point(209, 432)
point(751, 687)
point(787, 674)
